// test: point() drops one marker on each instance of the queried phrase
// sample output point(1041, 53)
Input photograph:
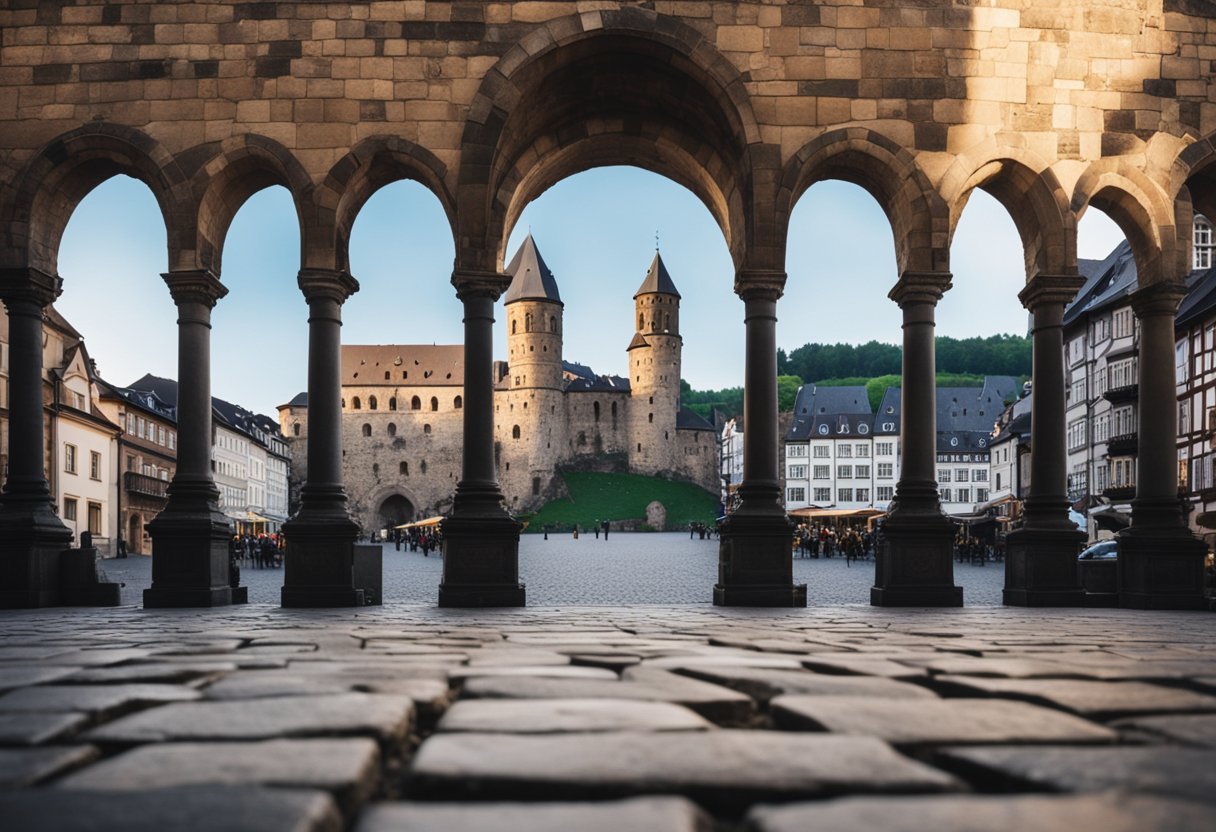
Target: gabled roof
point(639, 340)
point(530, 277)
point(690, 420)
point(226, 413)
point(1107, 282)
point(657, 281)
point(830, 411)
point(52, 317)
point(147, 400)
point(1200, 300)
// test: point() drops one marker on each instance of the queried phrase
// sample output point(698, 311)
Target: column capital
point(326, 284)
point(1158, 299)
point(1050, 289)
point(29, 284)
point(920, 287)
point(760, 284)
point(473, 283)
point(195, 286)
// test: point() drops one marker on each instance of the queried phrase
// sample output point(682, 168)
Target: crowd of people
point(820, 540)
point(426, 539)
point(264, 551)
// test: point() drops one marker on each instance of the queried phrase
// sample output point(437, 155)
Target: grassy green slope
point(595, 497)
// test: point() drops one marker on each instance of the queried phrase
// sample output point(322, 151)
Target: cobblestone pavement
point(607, 718)
point(625, 569)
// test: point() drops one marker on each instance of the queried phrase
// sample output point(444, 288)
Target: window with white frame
point(1122, 373)
point(946, 495)
point(1124, 422)
point(1076, 433)
point(1201, 240)
point(1180, 362)
point(844, 472)
point(979, 475)
point(1122, 322)
point(863, 451)
point(844, 451)
point(943, 475)
point(863, 495)
point(884, 493)
point(1184, 418)
point(886, 470)
point(822, 452)
point(69, 458)
point(796, 472)
point(884, 448)
point(795, 450)
point(822, 472)
point(862, 472)
point(981, 495)
point(796, 495)
point(823, 495)
point(961, 475)
point(845, 495)
point(962, 495)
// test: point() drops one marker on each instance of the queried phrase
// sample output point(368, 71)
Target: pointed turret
point(531, 278)
point(657, 281)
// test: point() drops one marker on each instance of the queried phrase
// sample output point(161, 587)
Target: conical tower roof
point(531, 278)
point(657, 281)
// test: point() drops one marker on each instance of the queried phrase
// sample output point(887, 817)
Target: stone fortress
point(402, 408)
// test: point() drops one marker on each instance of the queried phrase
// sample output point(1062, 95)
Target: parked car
point(1106, 550)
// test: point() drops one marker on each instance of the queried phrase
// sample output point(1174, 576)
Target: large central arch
point(614, 88)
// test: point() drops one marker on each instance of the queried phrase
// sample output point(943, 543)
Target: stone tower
point(654, 372)
point(530, 423)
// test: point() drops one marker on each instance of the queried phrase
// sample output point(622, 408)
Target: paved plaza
point(626, 569)
point(680, 717)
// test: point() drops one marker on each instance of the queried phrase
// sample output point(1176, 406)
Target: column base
point(1041, 568)
point(1161, 569)
point(755, 563)
point(78, 582)
point(191, 564)
point(481, 562)
point(31, 542)
point(915, 563)
point(319, 564)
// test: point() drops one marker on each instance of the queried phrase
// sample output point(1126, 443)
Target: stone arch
point(621, 86)
point(1159, 233)
point(370, 165)
point(396, 494)
point(36, 211)
point(920, 219)
point(238, 168)
point(1031, 194)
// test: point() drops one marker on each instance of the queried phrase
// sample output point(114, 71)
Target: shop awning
point(821, 513)
point(254, 517)
point(430, 521)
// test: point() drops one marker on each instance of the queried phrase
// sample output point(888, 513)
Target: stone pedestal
point(319, 570)
point(79, 584)
point(1041, 568)
point(30, 544)
point(754, 563)
point(914, 566)
point(1160, 566)
point(481, 562)
point(190, 567)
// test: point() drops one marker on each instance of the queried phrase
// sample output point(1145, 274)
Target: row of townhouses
point(110, 452)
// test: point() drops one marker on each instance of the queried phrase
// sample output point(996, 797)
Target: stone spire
point(657, 281)
point(531, 278)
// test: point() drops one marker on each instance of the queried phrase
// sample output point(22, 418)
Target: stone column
point(31, 534)
point(480, 537)
point(320, 556)
point(1041, 557)
point(190, 536)
point(1160, 562)
point(915, 562)
point(755, 556)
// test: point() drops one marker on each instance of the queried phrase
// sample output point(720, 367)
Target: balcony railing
point(1125, 444)
point(147, 486)
point(1126, 393)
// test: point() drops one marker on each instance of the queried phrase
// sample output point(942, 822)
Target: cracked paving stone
point(349, 769)
point(643, 814)
point(19, 676)
point(387, 718)
point(506, 655)
point(38, 728)
point(723, 770)
point(714, 702)
point(559, 671)
point(1096, 699)
point(937, 722)
point(967, 813)
point(609, 661)
point(149, 673)
point(762, 684)
point(847, 665)
point(760, 660)
point(1186, 729)
point(20, 767)
point(97, 700)
point(1013, 668)
point(196, 808)
point(428, 690)
point(1180, 772)
point(553, 716)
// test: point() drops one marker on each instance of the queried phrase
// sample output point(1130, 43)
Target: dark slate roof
point(657, 281)
point(299, 400)
point(231, 415)
point(966, 415)
point(1200, 301)
point(688, 420)
point(530, 277)
point(1107, 282)
point(147, 401)
point(407, 365)
point(577, 370)
point(1018, 424)
point(886, 420)
point(830, 411)
point(598, 384)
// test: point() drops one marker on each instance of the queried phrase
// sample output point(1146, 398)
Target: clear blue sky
point(596, 231)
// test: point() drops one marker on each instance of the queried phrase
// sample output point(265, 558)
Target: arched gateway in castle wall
point(1051, 108)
